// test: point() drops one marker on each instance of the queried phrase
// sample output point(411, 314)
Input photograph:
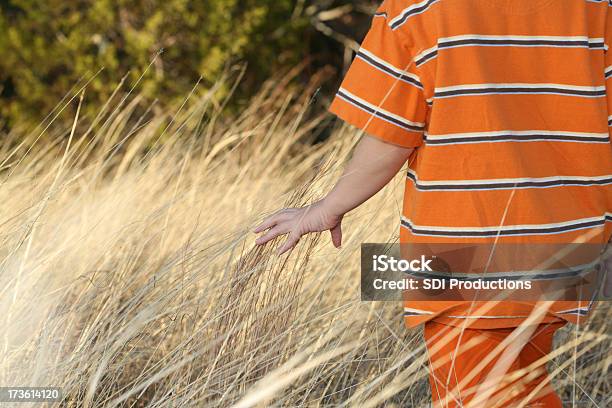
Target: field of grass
point(129, 275)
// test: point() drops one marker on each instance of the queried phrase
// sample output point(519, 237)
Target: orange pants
point(490, 367)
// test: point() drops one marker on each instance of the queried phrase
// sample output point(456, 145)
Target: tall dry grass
point(130, 278)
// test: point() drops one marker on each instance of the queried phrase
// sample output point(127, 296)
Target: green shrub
point(46, 46)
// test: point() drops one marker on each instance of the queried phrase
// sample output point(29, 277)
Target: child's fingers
point(272, 220)
point(291, 242)
point(268, 223)
point(271, 234)
point(336, 235)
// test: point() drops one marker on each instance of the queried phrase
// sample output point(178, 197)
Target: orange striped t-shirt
point(508, 106)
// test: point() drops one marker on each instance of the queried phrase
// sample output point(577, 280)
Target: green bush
point(46, 46)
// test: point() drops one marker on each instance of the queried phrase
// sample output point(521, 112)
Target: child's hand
point(298, 222)
point(373, 165)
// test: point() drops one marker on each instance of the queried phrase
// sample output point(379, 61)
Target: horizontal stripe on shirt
point(379, 112)
point(507, 184)
point(516, 136)
point(519, 88)
point(478, 40)
point(582, 311)
point(411, 11)
point(388, 68)
point(486, 317)
point(426, 55)
point(408, 311)
point(601, 1)
point(506, 230)
point(521, 40)
point(570, 272)
point(417, 312)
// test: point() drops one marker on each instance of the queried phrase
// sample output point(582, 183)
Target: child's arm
point(373, 165)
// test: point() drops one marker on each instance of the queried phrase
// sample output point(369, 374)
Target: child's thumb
point(336, 235)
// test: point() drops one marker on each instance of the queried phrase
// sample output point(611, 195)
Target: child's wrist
point(330, 208)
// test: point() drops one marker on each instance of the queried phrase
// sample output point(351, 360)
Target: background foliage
point(48, 46)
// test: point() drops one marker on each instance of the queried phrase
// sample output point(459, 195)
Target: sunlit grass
point(130, 277)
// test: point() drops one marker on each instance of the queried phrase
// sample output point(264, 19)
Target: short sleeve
point(608, 64)
point(382, 92)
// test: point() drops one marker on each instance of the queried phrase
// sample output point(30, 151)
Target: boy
point(501, 109)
